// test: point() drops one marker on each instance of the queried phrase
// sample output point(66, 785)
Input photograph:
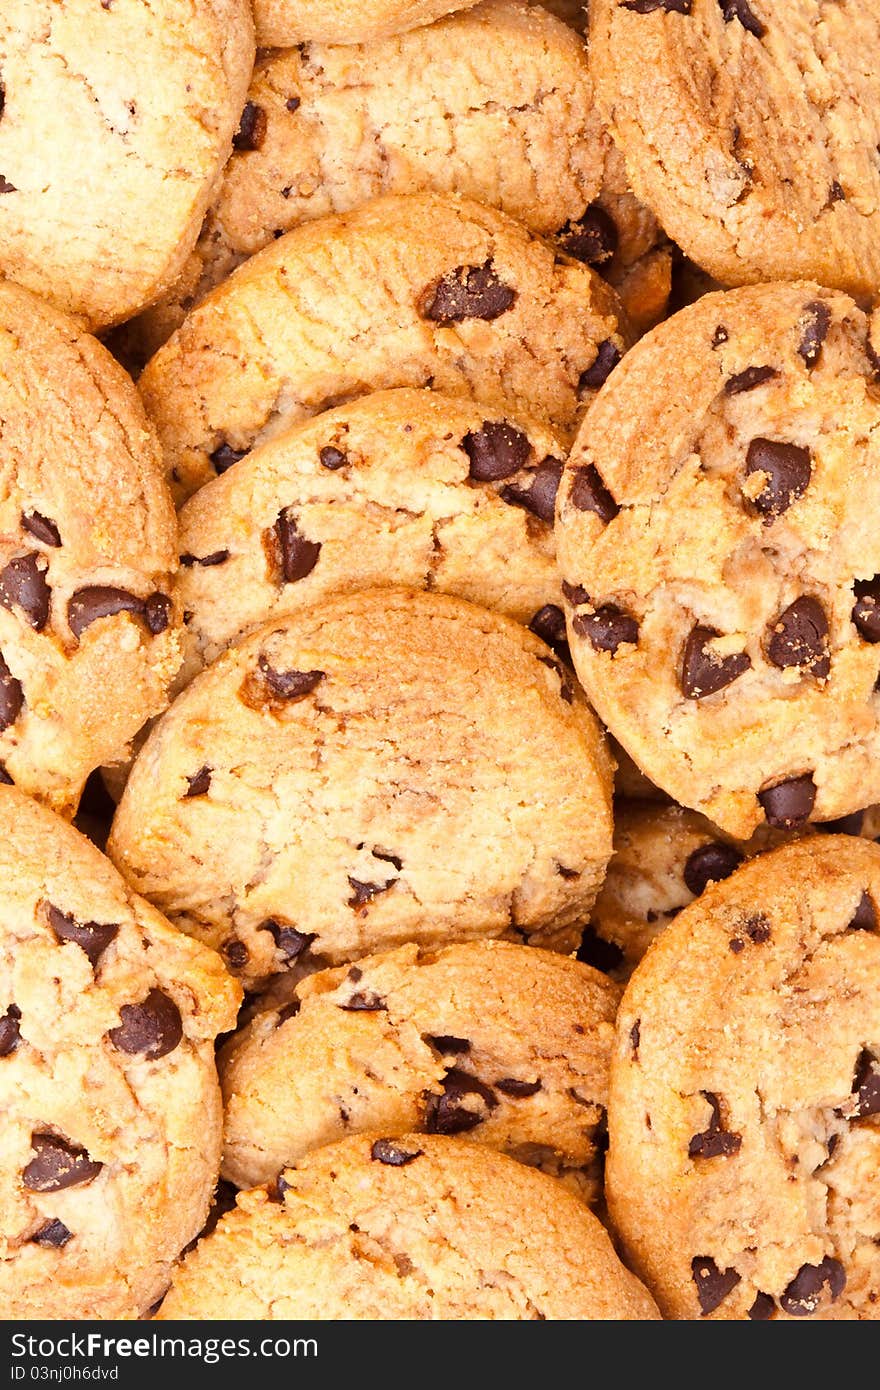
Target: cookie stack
point(441, 458)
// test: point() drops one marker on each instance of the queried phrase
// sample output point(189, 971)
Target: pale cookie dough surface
point(403, 487)
point(406, 291)
point(283, 23)
point(385, 767)
point(89, 632)
point(110, 1104)
point(716, 537)
point(755, 138)
point(506, 1044)
point(115, 122)
point(414, 1226)
point(745, 1093)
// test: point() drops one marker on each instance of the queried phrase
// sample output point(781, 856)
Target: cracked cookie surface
point(405, 291)
point(745, 1093)
point(414, 1226)
point(720, 563)
point(89, 631)
point(115, 122)
point(408, 487)
point(111, 1109)
point(284, 23)
point(756, 141)
point(507, 1044)
point(385, 767)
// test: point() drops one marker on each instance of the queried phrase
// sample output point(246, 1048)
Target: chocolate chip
point(252, 128)
point(713, 1284)
point(844, 825)
point(788, 469)
point(592, 238)
point(817, 322)
point(710, 864)
point(866, 1086)
point(596, 951)
point(23, 585)
point(519, 1090)
point(365, 892)
point(52, 1234)
point(289, 686)
point(801, 1297)
point(91, 937)
point(873, 359)
point(787, 805)
point(607, 628)
point(5, 779)
point(468, 292)
point(866, 609)
point(216, 557)
point(41, 528)
point(836, 192)
point(57, 1164)
point(332, 458)
point(11, 696)
point(496, 451)
point(150, 1029)
point(157, 612)
point(445, 1114)
point(715, 1141)
point(607, 358)
point(747, 380)
point(649, 6)
point(549, 624)
point(390, 1152)
point(539, 497)
point(198, 783)
point(293, 103)
point(865, 916)
point(99, 601)
point(799, 637)
point(589, 494)
point(703, 672)
point(235, 953)
point(445, 1043)
point(763, 1308)
point(10, 1034)
point(364, 1001)
point(739, 9)
point(290, 942)
point(298, 556)
point(566, 693)
point(6, 186)
point(720, 336)
point(387, 858)
point(225, 456)
point(756, 929)
point(635, 1037)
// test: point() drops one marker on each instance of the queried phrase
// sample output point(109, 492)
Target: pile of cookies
point(439, 659)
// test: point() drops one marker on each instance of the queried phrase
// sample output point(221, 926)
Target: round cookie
point(406, 486)
point(284, 23)
point(413, 1226)
point(110, 1104)
point(410, 291)
point(115, 122)
point(744, 1136)
point(720, 563)
point(89, 635)
point(506, 1044)
point(755, 141)
point(385, 767)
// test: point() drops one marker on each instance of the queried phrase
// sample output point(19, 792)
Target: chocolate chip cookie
point(408, 486)
point(755, 139)
point(745, 1094)
point(408, 1226)
point(384, 767)
point(89, 631)
point(720, 562)
point(111, 1109)
point(506, 1044)
point(116, 118)
point(417, 291)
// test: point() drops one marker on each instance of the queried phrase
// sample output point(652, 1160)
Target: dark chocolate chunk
point(866, 609)
point(519, 1090)
point(539, 497)
point(5, 779)
point(445, 1114)
point(96, 601)
point(649, 6)
point(235, 953)
point(714, 1141)
point(607, 358)
point(496, 451)
point(720, 336)
point(702, 671)
point(763, 1308)
point(290, 942)
point(332, 458)
point(799, 637)
point(713, 1284)
point(91, 937)
point(150, 1029)
point(865, 915)
point(198, 783)
point(157, 612)
point(802, 1296)
point(589, 494)
point(788, 804)
point(364, 1001)
point(635, 1037)
point(607, 628)
point(592, 238)
point(57, 1164)
point(740, 9)
point(745, 381)
point(445, 1043)
point(225, 456)
point(52, 1234)
point(817, 316)
point(362, 893)
point(710, 864)
point(566, 693)
point(23, 585)
point(11, 696)
point(252, 128)
point(549, 624)
point(756, 929)
point(393, 1153)
point(866, 1085)
point(596, 951)
point(216, 557)
point(298, 556)
point(468, 292)
point(10, 1033)
point(788, 469)
point(836, 192)
point(6, 186)
point(41, 528)
point(289, 686)
point(388, 858)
